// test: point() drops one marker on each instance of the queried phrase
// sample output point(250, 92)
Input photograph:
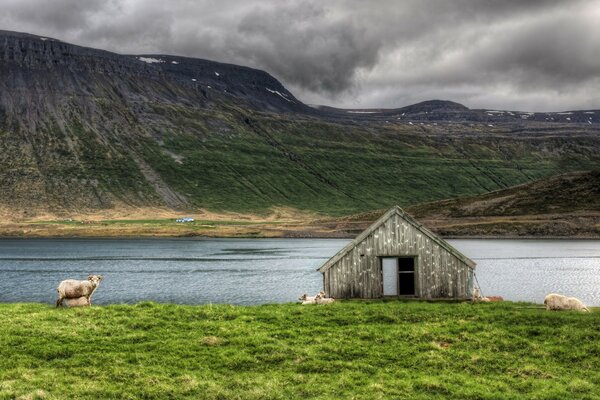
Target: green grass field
point(350, 349)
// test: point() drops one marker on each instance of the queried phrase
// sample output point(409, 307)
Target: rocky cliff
point(84, 129)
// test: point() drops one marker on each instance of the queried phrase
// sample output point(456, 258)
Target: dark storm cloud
point(535, 54)
point(306, 47)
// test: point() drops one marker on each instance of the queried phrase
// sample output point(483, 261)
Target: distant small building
point(397, 256)
point(185, 219)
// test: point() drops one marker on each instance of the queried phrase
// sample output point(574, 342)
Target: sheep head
point(95, 279)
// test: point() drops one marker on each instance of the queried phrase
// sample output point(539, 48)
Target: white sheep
point(321, 299)
point(318, 299)
point(72, 289)
point(306, 299)
point(478, 297)
point(78, 302)
point(555, 301)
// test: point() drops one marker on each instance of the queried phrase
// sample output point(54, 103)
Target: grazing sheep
point(559, 302)
point(576, 304)
point(72, 289)
point(78, 302)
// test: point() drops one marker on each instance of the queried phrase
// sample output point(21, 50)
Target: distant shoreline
point(294, 224)
point(203, 237)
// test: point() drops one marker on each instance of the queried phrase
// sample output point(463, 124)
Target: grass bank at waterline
point(352, 349)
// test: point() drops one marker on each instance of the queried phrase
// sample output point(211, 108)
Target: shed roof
point(420, 227)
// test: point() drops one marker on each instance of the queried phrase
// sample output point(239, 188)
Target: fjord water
point(257, 271)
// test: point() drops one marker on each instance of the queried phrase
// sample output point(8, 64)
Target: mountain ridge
point(83, 130)
point(170, 63)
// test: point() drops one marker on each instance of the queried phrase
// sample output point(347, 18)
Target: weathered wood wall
point(439, 273)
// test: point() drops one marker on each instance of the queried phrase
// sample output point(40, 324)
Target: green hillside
point(266, 160)
point(83, 130)
point(237, 160)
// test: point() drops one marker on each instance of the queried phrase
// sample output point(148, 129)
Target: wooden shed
point(397, 256)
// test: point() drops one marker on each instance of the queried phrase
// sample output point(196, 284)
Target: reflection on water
point(256, 271)
point(527, 270)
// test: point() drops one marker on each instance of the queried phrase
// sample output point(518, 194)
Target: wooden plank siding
point(440, 272)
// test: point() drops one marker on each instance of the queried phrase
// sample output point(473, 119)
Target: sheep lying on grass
point(72, 289)
point(320, 298)
point(78, 302)
point(306, 299)
point(559, 302)
point(477, 297)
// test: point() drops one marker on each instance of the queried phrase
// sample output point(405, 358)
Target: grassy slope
point(563, 205)
point(85, 139)
point(227, 158)
point(347, 350)
point(566, 205)
point(571, 192)
point(341, 169)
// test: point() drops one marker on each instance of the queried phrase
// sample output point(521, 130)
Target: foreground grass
point(346, 350)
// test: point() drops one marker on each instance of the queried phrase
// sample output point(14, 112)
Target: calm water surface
point(256, 271)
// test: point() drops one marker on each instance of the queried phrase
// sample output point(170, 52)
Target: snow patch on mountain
point(282, 95)
point(150, 60)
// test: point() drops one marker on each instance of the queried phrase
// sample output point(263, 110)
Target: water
point(527, 270)
point(234, 271)
point(257, 271)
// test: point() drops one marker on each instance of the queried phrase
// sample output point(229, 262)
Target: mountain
point(85, 130)
point(563, 205)
point(449, 111)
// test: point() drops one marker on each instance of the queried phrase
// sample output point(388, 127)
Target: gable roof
point(420, 227)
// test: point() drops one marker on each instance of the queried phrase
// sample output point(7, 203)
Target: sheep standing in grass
point(559, 302)
point(72, 289)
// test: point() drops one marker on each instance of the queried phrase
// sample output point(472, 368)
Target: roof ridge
point(419, 226)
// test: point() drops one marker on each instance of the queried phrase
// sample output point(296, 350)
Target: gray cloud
point(534, 55)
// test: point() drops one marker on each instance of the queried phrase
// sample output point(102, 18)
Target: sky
point(531, 55)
